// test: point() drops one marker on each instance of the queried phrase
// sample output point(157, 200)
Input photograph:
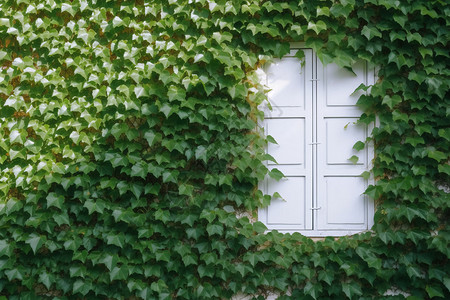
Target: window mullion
point(314, 141)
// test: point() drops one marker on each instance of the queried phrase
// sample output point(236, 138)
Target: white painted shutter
point(290, 123)
point(313, 120)
point(339, 184)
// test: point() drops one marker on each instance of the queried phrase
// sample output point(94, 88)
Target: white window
point(313, 119)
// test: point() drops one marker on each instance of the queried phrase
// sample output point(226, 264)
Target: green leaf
point(437, 155)
point(312, 289)
point(150, 136)
point(176, 93)
point(445, 133)
point(317, 27)
point(392, 101)
point(14, 274)
point(373, 192)
point(326, 276)
point(185, 189)
point(162, 256)
point(444, 169)
point(434, 291)
point(140, 91)
point(354, 159)
point(259, 227)
point(55, 200)
point(276, 174)
point(238, 91)
point(13, 205)
point(117, 22)
point(351, 289)
point(365, 175)
point(200, 153)
point(300, 54)
point(370, 32)
point(358, 146)
point(119, 273)
point(47, 279)
point(110, 261)
point(213, 229)
point(77, 271)
point(81, 287)
point(447, 283)
point(414, 272)
point(400, 19)
point(139, 171)
point(117, 240)
point(270, 139)
point(35, 242)
point(5, 248)
point(189, 260)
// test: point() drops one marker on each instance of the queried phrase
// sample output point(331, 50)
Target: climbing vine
point(130, 150)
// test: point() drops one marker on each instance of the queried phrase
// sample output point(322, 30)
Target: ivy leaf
point(414, 272)
point(139, 170)
point(444, 169)
point(400, 19)
point(437, 155)
point(365, 175)
point(317, 27)
point(200, 153)
point(109, 261)
point(35, 242)
point(213, 229)
point(176, 93)
point(55, 200)
point(13, 205)
point(140, 91)
point(47, 279)
point(270, 139)
point(370, 32)
point(300, 54)
point(82, 287)
point(259, 227)
point(392, 101)
point(281, 49)
point(326, 276)
point(445, 133)
point(117, 22)
point(185, 189)
point(434, 291)
point(447, 283)
point(119, 273)
point(354, 159)
point(276, 174)
point(358, 146)
point(238, 91)
point(5, 248)
point(373, 192)
point(312, 289)
point(113, 239)
point(351, 289)
point(14, 274)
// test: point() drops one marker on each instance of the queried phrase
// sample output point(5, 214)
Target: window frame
point(370, 78)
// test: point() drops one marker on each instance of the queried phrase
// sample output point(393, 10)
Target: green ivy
point(130, 151)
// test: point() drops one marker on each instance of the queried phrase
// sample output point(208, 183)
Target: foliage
point(129, 146)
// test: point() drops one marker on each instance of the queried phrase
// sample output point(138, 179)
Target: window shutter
point(339, 184)
point(313, 119)
point(290, 123)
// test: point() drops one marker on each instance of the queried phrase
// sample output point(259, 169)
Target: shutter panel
point(339, 184)
point(289, 122)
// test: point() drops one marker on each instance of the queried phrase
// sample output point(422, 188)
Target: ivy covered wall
point(129, 145)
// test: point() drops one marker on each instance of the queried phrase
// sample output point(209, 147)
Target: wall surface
point(130, 141)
